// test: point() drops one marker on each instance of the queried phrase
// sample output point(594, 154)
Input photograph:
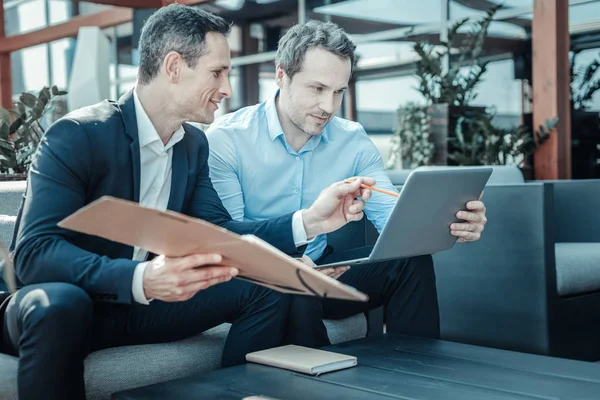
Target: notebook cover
point(302, 359)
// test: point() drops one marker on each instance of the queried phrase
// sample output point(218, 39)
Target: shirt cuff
point(138, 284)
point(298, 230)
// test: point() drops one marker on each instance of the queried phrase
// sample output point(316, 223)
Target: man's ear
point(172, 65)
point(279, 76)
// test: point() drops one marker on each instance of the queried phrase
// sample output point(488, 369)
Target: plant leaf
point(5, 144)
point(5, 116)
point(28, 99)
point(4, 130)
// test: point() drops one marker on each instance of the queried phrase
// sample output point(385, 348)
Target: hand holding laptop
point(474, 222)
point(333, 272)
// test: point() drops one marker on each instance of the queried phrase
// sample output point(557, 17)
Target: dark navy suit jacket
point(94, 152)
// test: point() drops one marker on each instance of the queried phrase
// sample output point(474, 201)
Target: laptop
point(420, 221)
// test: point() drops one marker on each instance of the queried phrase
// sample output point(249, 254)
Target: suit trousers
point(406, 288)
point(52, 327)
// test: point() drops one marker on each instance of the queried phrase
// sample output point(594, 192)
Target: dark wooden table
point(398, 367)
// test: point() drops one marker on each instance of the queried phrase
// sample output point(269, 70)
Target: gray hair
point(175, 28)
point(302, 37)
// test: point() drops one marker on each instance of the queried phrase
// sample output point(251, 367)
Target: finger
point(481, 195)
point(327, 271)
point(357, 206)
point(466, 236)
point(365, 193)
point(198, 260)
point(308, 261)
point(353, 184)
point(464, 227)
point(470, 216)
point(476, 206)
point(354, 217)
point(207, 273)
point(367, 180)
point(340, 271)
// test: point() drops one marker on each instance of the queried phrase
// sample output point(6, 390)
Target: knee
point(301, 305)
point(51, 303)
point(413, 272)
point(271, 298)
point(420, 267)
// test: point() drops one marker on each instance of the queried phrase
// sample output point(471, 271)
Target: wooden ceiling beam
point(104, 19)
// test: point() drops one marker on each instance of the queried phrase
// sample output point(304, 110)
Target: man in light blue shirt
point(275, 158)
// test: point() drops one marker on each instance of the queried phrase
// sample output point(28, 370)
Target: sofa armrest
point(494, 292)
point(576, 211)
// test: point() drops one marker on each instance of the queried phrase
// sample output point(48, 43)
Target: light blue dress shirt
point(259, 176)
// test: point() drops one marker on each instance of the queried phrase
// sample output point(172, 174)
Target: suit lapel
point(179, 176)
point(127, 106)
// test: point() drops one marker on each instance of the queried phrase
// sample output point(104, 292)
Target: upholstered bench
point(117, 369)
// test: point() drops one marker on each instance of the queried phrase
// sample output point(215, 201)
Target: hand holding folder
point(176, 235)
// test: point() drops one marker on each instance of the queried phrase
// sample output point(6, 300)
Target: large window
point(42, 65)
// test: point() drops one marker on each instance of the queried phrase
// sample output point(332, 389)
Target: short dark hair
point(177, 28)
point(302, 37)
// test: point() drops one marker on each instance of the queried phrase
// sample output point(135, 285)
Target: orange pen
point(373, 188)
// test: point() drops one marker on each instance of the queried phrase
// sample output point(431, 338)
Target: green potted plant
point(457, 132)
point(585, 124)
point(21, 130)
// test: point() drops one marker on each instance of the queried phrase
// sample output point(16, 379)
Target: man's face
point(200, 89)
point(314, 95)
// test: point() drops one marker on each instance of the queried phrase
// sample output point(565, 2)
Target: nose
point(328, 103)
point(225, 88)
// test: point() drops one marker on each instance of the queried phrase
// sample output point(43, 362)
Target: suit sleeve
point(207, 205)
point(58, 179)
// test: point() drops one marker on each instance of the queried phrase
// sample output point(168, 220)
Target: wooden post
point(249, 73)
point(350, 111)
point(550, 42)
point(5, 71)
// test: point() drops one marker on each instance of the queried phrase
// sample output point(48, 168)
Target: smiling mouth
point(320, 119)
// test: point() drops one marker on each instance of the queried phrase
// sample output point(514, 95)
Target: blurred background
point(489, 52)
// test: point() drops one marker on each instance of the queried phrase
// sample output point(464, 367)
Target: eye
point(339, 92)
point(216, 73)
point(317, 88)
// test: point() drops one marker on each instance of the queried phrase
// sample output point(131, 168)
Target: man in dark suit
point(85, 293)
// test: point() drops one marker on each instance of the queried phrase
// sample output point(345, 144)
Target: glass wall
point(45, 64)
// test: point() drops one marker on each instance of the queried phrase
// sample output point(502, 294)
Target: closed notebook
point(302, 359)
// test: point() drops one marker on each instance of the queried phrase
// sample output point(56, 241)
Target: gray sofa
point(116, 369)
point(532, 283)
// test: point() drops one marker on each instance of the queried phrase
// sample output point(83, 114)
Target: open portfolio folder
point(176, 235)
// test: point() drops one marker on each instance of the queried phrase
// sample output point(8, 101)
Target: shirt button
point(297, 158)
point(296, 190)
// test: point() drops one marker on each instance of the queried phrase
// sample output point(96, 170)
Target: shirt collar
point(273, 124)
point(147, 132)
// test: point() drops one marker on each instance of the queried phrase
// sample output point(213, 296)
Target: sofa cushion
point(7, 226)
point(111, 370)
point(577, 268)
point(11, 195)
point(118, 368)
point(8, 377)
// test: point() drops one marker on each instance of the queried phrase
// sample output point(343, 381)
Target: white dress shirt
point(155, 186)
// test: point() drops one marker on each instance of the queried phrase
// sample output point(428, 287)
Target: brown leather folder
point(176, 235)
point(302, 359)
